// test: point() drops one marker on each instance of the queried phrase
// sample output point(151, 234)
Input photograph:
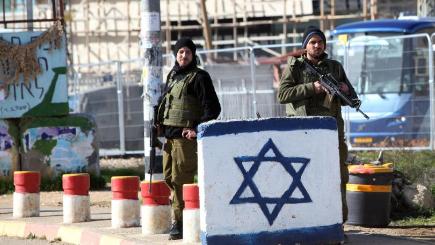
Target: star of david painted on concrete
point(286, 197)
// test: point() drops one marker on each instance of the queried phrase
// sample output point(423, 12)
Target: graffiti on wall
point(6, 149)
point(66, 149)
point(17, 99)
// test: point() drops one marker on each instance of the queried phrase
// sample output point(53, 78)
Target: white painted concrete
point(220, 178)
point(191, 229)
point(125, 213)
point(155, 219)
point(25, 205)
point(76, 208)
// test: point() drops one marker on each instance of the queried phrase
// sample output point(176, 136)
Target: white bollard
point(191, 228)
point(155, 209)
point(76, 201)
point(26, 195)
point(125, 203)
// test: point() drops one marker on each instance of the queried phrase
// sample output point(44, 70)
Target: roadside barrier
point(76, 202)
point(26, 194)
point(125, 203)
point(368, 194)
point(155, 209)
point(191, 227)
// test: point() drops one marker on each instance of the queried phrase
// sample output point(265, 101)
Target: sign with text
point(270, 181)
point(47, 94)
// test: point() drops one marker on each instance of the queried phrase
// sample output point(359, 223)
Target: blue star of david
point(286, 197)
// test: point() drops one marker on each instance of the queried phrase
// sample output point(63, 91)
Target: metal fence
point(246, 80)
point(394, 79)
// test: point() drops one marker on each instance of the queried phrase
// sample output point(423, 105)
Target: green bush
point(6, 186)
point(417, 166)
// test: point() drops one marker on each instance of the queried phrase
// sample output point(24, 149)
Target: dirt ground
point(103, 199)
point(426, 233)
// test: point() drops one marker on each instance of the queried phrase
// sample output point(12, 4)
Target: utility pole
point(373, 9)
point(205, 25)
point(29, 5)
point(152, 79)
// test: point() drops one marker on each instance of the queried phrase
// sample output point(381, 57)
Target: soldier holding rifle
point(305, 93)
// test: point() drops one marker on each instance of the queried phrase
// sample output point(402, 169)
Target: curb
point(66, 233)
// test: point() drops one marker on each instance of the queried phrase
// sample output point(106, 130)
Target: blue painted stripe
point(216, 128)
point(313, 235)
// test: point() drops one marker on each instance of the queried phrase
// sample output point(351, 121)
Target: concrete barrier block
point(76, 208)
point(25, 205)
point(270, 181)
point(125, 213)
point(155, 219)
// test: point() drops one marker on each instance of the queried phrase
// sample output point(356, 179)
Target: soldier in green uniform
point(189, 98)
point(303, 94)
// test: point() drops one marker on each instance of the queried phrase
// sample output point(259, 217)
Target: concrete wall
point(9, 157)
point(58, 145)
point(270, 181)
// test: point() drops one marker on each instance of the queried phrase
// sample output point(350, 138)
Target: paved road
point(50, 224)
point(21, 241)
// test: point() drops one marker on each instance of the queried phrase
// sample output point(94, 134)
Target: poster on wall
point(33, 78)
point(8, 149)
point(59, 145)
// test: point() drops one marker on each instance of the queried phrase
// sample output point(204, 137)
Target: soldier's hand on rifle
point(318, 88)
point(188, 133)
point(344, 88)
point(159, 129)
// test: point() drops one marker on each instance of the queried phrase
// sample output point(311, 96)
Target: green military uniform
point(179, 109)
point(189, 99)
point(297, 92)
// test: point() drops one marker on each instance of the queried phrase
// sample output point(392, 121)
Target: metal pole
point(431, 92)
point(29, 7)
point(254, 83)
point(119, 92)
point(152, 73)
point(284, 28)
point(205, 25)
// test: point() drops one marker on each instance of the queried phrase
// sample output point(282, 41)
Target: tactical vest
point(320, 105)
point(179, 109)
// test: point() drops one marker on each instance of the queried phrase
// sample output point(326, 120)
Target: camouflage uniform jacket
point(297, 89)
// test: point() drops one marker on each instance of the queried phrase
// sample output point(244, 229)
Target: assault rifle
point(154, 142)
point(329, 82)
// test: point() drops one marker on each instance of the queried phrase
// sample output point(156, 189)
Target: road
point(21, 241)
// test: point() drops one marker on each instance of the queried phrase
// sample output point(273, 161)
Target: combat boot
point(176, 231)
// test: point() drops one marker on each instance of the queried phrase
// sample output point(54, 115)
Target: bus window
point(390, 72)
point(375, 64)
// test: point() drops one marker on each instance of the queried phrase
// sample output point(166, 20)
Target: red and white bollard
point(191, 221)
point(155, 210)
point(26, 195)
point(76, 202)
point(125, 202)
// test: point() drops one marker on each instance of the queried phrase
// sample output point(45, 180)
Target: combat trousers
point(344, 172)
point(180, 164)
